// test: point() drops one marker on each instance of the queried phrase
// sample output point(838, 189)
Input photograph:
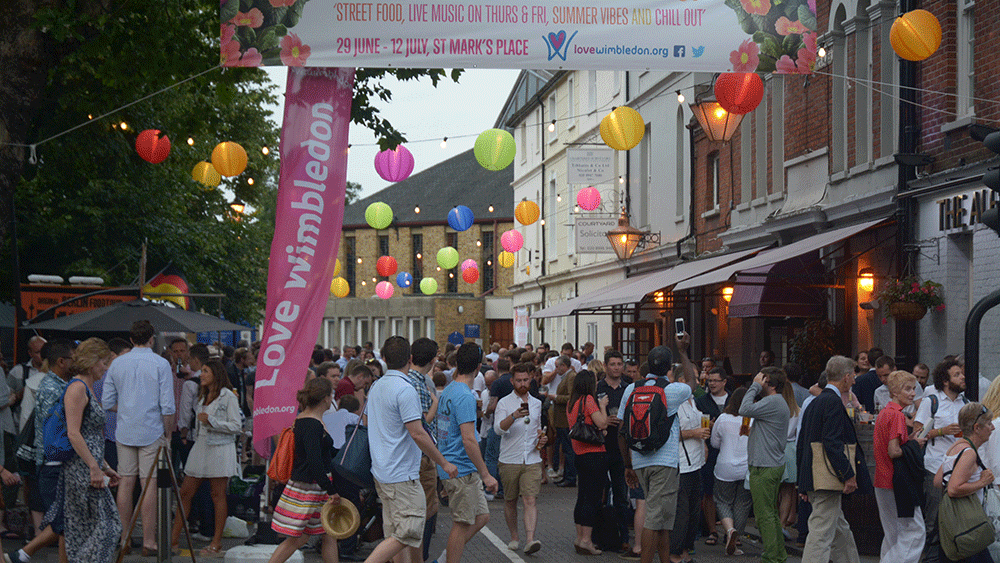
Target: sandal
point(712, 539)
point(211, 551)
point(730, 542)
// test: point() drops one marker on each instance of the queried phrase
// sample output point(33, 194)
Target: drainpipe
point(906, 333)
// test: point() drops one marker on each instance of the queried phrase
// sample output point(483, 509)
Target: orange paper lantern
point(206, 174)
point(526, 212)
point(229, 158)
point(915, 35)
point(739, 92)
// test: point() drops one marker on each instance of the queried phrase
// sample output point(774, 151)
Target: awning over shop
point(632, 290)
point(789, 288)
point(768, 258)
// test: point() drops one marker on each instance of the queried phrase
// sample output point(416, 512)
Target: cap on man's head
point(660, 360)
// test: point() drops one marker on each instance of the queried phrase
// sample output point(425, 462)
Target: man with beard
point(518, 421)
point(938, 412)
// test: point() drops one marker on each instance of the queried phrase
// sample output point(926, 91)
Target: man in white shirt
point(31, 380)
point(938, 412)
point(518, 420)
point(551, 376)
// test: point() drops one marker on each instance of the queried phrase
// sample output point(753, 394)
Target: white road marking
point(513, 556)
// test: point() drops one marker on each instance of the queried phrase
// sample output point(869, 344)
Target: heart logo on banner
point(557, 40)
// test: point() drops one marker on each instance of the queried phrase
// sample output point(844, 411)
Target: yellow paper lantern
point(527, 212)
point(205, 173)
point(336, 268)
point(229, 158)
point(915, 35)
point(339, 287)
point(505, 259)
point(622, 129)
point(495, 149)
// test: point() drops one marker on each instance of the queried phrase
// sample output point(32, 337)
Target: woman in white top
point(961, 474)
point(787, 501)
point(990, 452)
point(213, 455)
point(732, 499)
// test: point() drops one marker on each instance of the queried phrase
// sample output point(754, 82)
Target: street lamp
point(718, 124)
point(626, 239)
point(866, 279)
point(237, 206)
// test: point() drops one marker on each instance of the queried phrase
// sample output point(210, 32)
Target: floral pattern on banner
point(256, 32)
point(783, 36)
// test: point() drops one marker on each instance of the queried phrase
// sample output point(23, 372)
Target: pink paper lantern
point(588, 198)
point(470, 263)
point(394, 165)
point(511, 241)
point(384, 289)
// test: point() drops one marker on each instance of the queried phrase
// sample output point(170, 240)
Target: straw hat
point(340, 520)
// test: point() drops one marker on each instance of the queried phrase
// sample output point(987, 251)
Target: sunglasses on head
point(982, 413)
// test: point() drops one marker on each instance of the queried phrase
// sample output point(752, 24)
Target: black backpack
point(646, 424)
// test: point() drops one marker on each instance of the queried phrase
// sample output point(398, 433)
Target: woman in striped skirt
point(298, 512)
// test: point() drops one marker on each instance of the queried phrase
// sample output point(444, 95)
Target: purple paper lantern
point(394, 165)
point(469, 263)
point(588, 198)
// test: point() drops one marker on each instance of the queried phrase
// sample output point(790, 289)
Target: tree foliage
point(89, 202)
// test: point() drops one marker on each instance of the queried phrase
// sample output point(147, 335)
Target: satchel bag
point(964, 528)
point(583, 432)
point(354, 461)
point(991, 504)
point(824, 477)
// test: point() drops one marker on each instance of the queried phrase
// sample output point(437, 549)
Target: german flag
point(169, 280)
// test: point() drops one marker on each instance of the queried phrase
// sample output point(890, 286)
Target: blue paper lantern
point(404, 279)
point(460, 218)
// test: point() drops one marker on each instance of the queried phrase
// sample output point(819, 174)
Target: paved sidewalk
point(555, 531)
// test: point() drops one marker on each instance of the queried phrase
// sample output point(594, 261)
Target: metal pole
point(972, 323)
point(164, 506)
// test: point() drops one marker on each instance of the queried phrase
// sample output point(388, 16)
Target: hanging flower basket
point(907, 311)
point(908, 299)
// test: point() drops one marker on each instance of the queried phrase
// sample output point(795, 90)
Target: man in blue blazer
point(826, 426)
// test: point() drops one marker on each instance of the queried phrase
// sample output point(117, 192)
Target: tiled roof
point(460, 180)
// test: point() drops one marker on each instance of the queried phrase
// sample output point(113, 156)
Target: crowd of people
point(462, 426)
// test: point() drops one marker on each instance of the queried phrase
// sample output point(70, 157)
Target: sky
point(420, 111)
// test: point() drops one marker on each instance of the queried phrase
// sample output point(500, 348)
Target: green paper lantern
point(428, 286)
point(378, 215)
point(495, 149)
point(447, 258)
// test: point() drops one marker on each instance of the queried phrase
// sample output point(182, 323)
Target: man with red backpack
point(650, 443)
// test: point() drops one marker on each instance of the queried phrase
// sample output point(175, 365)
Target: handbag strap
point(580, 418)
point(356, 426)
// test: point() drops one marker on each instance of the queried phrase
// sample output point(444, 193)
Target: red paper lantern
point(739, 92)
point(470, 275)
point(152, 147)
point(386, 266)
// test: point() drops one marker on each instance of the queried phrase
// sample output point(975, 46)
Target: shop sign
point(592, 234)
point(590, 166)
point(964, 210)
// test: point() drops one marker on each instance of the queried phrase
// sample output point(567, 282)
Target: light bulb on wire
point(680, 97)
point(444, 143)
point(190, 141)
point(552, 126)
point(821, 52)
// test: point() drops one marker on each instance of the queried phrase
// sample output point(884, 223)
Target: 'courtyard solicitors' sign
point(964, 210)
point(592, 234)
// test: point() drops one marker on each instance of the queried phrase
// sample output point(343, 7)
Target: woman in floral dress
point(92, 524)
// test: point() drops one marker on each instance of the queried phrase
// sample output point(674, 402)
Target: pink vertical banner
point(308, 219)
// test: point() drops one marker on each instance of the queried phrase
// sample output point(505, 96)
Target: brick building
point(419, 229)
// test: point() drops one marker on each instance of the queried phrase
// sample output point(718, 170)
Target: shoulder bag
point(964, 528)
point(583, 432)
